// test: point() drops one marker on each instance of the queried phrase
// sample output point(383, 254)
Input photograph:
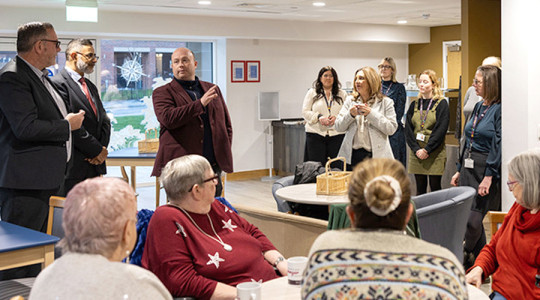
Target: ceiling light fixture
point(319, 4)
point(82, 10)
point(205, 2)
point(402, 22)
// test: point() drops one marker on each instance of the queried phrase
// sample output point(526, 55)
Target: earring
point(127, 256)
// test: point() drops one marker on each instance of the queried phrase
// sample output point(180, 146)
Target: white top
point(307, 194)
point(91, 276)
point(311, 110)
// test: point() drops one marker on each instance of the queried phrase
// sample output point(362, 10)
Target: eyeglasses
point(384, 67)
point(89, 56)
point(511, 184)
point(214, 180)
point(57, 42)
point(476, 82)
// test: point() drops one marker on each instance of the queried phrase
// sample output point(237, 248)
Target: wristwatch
point(278, 260)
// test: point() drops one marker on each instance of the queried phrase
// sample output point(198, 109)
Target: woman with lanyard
point(395, 91)
point(368, 117)
point(425, 131)
point(480, 161)
point(321, 105)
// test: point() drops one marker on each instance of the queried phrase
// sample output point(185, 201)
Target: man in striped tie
point(91, 141)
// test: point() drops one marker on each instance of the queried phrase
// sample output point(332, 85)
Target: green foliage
point(124, 121)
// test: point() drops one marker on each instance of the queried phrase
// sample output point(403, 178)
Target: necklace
point(219, 240)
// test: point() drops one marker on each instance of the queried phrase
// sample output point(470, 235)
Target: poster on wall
point(253, 71)
point(237, 71)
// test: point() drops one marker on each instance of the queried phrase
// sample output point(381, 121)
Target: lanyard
point(388, 89)
point(476, 120)
point(328, 105)
point(423, 117)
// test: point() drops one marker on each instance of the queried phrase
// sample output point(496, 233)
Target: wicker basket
point(333, 182)
point(149, 145)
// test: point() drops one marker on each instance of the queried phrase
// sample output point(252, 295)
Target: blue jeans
point(496, 296)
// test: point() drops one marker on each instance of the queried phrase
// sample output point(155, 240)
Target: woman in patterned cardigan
point(375, 258)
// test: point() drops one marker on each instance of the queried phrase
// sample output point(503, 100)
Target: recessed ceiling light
point(319, 4)
point(205, 2)
point(402, 22)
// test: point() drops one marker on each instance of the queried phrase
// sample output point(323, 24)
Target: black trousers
point(422, 183)
point(219, 186)
point(321, 148)
point(358, 155)
point(26, 208)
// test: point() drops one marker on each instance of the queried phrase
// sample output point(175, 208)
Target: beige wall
point(429, 56)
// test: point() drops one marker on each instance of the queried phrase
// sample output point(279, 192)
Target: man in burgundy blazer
point(193, 118)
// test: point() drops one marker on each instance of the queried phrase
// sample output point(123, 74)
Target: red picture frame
point(253, 71)
point(238, 71)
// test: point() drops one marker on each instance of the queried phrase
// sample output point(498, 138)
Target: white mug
point(295, 269)
point(248, 291)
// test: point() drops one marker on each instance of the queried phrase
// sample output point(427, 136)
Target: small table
point(20, 246)
point(131, 157)
point(280, 288)
point(306, 194)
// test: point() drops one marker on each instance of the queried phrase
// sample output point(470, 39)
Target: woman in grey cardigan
point(368, 118)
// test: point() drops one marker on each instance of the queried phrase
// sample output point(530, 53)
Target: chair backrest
point(443, 215)
point(291, 234)
point(282, 205)
point(54, 223)
point(495, 219)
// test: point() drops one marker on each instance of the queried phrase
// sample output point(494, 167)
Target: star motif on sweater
point(229, 225)
point(214, 259)
point(180, 229)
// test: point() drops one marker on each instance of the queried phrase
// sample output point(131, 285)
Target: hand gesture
point(483, 188)
point(100, 158)
point(422, 154)
point(210, 95)
point(474, 277)
point(455, 179)
point(75, 120)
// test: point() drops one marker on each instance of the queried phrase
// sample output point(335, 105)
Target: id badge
point(420, 136)
point(469, 163)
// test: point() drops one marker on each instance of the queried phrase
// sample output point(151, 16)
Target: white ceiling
point(417, 12)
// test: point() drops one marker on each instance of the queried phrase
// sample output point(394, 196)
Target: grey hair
point(95, 213)
point(75, 45)
point(181, 174)
point(525, 168)
point(28, 34)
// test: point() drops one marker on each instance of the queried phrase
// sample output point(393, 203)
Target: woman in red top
point(198, 247)
point(513, 255)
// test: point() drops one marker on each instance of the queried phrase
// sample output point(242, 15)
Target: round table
point(306, 194)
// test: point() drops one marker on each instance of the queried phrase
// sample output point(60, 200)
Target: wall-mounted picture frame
point(253, 71)
point(238, 72)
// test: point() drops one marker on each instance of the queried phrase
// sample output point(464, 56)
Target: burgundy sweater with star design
point(189, 263)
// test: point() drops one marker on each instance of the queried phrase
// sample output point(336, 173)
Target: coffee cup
point(248, 291)
point(295, 269)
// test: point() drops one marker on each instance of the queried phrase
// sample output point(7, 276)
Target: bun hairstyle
point(380, 194)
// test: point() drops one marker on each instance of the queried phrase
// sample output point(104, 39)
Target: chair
point(495, 219)
point(54, 223)
point(291, 234)
point(13, 288)
point(442, 217)
point(282, 205)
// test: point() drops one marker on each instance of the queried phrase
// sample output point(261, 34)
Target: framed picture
point(253, 71)
point(238, 71)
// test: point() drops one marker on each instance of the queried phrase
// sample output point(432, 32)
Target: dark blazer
point(33, 132)
point(181, 127)
point(95, 131)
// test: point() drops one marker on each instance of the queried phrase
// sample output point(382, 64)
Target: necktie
point(87, 93)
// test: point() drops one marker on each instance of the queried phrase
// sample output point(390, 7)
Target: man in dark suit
point(91, 141)
point(35, 129)
point(193, 118)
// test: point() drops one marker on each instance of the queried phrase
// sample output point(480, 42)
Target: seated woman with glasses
point(513, 255)
point(197, 246)
point(375, 259)
point(99, 224)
